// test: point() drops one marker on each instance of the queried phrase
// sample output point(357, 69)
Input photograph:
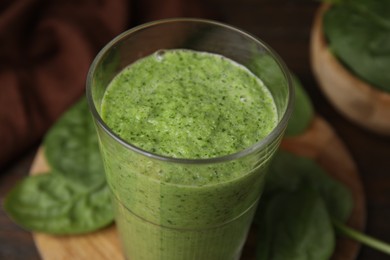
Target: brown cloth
point(46, 50)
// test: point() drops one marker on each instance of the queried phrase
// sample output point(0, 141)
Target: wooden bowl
point(355, 99)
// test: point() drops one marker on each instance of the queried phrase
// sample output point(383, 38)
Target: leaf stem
point(360, 237)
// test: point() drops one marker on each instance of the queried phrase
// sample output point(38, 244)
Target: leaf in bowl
point(358, 33)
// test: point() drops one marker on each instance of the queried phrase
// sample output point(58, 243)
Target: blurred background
point(48, 46)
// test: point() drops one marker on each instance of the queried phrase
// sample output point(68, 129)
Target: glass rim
point(281, 124)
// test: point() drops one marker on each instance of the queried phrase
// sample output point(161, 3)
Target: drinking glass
point(167, 219)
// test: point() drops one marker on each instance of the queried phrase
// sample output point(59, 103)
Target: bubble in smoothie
point(159, 55)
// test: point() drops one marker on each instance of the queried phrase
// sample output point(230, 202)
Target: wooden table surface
point(285, 25)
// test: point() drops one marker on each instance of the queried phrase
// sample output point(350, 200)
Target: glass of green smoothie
point(189, 113)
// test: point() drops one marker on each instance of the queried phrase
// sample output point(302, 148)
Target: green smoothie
point(190, 105)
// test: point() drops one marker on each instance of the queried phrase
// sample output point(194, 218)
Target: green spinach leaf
point(72, 148)
point(289, 172)
point(51, 204)
point(303, 112)
point(358, 33)
point(301, 209)
point(297, 227)
point(74, 198)
point(268, 70)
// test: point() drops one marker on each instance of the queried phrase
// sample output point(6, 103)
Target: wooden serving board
point(319, 142)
